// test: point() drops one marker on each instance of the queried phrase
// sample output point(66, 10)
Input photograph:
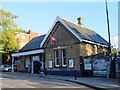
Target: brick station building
point(67, 44)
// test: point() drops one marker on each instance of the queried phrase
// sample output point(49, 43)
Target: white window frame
point(56, 65)
point(64, 65)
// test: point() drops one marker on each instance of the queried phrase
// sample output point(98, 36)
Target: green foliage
point(9, 43)
point(7, 32)
point(8, 29)
point(113, 51)
point(7, 21)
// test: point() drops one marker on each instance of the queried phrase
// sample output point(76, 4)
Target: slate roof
point(85, 33)
point(33, 44)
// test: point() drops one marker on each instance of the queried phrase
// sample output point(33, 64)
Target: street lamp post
point(112, 73)
point(109, 52)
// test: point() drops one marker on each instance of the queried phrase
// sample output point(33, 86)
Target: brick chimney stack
point(80, 21)
point(32, 34)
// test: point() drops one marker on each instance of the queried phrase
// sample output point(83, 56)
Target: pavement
point(91, 82)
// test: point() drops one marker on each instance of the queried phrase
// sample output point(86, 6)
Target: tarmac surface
point(96, 83)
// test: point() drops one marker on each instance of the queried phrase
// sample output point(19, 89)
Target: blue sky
point(39, 16)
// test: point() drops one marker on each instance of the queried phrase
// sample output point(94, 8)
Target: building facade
point(66, 44)
point(68, 49)
point(30, 56)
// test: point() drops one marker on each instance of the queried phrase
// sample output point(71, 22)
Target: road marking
point(14, 87)
point(6, 85)
point(31, 87)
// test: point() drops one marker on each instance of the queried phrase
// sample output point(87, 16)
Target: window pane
point(57, 61)
point(57, 53)
point(63, 56)
point(64, 53)
point(56, 57)
point(64, 61)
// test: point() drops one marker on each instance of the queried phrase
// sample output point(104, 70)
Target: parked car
point(1, 67)
point(6, 68)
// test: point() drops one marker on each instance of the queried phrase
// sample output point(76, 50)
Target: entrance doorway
point(37, 63)
point(36, 67)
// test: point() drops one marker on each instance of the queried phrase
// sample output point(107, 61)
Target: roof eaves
point(41, 45)
point(27, 52)
point(59, 19)
point(95, 43)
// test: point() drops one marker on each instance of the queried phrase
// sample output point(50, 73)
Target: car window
point(8, 66)
point(5, 65)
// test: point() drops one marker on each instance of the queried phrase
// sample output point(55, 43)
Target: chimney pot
point(80, 21)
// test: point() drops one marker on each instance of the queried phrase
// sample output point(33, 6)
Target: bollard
point(46, 72)
point(75, 75)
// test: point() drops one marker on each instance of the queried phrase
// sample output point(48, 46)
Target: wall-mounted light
point(58, 47)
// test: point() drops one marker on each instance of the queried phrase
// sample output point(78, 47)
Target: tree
point(22, 31)
point(8, 28)
point(113, 51)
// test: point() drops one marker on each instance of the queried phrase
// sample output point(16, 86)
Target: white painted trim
point(48, 33)
point(56, 59)
point(95, 43)
point(77, 36)
point(27, 53)
point(69, 29)
point(60, 20)
point(57, 65)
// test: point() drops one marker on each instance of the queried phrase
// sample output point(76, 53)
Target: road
point(34, 81)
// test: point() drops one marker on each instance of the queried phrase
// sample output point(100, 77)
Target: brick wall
point(65, 40)
point(32, 34)
point(24, 38)
point(74, 48)
point(87, 49)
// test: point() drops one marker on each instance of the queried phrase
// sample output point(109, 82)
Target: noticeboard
point(71, 63)
point(50, 65)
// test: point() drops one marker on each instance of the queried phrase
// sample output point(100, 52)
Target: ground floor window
point(63, 57)
point(60, 57)
point(56, 53)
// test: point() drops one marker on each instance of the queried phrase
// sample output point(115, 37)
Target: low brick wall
point(64, 73)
